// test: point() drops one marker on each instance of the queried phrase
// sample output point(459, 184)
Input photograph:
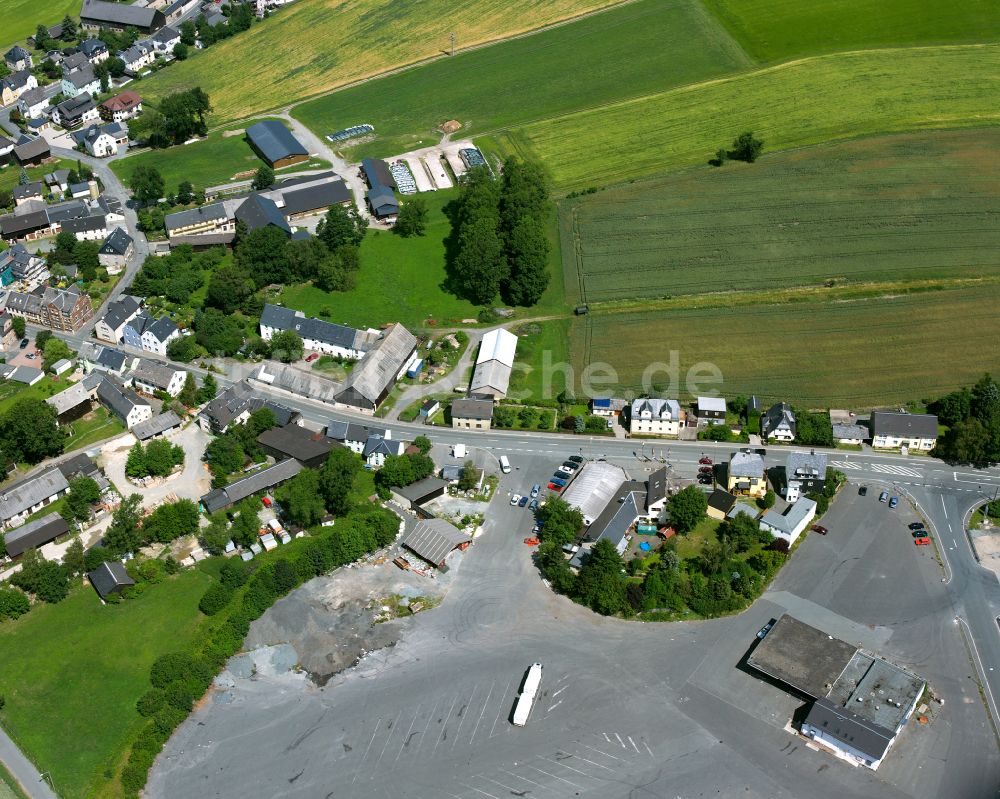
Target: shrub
point(134, 778)
point(170, 667)
point(215, 598)
point(13, 603)
point(234, 573)
point(179, 695)
point(167, 718)
point(150, 702)
point(149, 739)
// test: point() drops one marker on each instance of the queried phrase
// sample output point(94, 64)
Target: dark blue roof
point(274, 140)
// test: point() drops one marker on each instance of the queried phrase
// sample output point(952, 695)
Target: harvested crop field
point(913, 206)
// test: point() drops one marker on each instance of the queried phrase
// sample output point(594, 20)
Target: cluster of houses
point(27, 497)
point(128, 322)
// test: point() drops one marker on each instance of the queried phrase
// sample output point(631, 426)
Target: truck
point(528, 693)
point(458, 450)
point(504, 464)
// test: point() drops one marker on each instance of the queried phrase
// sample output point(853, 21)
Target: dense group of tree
point(176, 276)
point(157, 459)
point(69, 250)
point(972, 416)
point(29, 431)
point(228, 453)
point(525, 417)
point(53, 349)
point(402, 470)
point(498, 235)
point(177, 118)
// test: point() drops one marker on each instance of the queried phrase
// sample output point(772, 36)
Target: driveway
point(193, 481)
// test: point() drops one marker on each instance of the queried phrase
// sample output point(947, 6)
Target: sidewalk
point(23, 770)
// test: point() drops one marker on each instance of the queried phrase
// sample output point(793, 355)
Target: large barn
point(273, 142)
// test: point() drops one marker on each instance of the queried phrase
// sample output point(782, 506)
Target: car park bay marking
point(500, 709)
point(365, 755)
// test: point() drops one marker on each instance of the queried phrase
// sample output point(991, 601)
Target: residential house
point(34, 534)
point(17, 58)
point(6, 150)
point(111, 327)
point(31, 152)
point(711, 410)
point(123, 402)
point(805, 473)
point(275, 144)
point(720, 503)
point(778, 423)
point(159, 334)
point(103, 141)
point(791, 522)
point(354, 436)
point(16, 263)
point(104, 359)
point(97, 14)
point(83, 190)
point(746, 474)
point(8, 337)
point(76, 111)
point(607, 407)
point(28, 496)
point(166, 39)
point(87, 228)
point(253, 485)
point(491, 376)
point(81, 81)
point(110, 577)
point(32, 103)
point(59, 309)
point(58, 180)
point(293, 441)
point(25, 226)
point(134, 328)
point(122, 106)
point(917, 431)
point(139, 55)
point(210, 223)
point(74, 62)
point(117, 248)
point(234, 406)
point(77, 400)
point(471, 414)
point(111, 207)
point(658, 417)
point(95, 50)
point(175, 9)
point(149, 377)
point(326, 337)
point(370, 382)
point(16, 84)
point(27, 192)
point(377, 449)
point(852, 434)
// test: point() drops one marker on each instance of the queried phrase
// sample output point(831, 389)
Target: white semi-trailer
point(527, 698)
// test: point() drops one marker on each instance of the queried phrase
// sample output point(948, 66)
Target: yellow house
point(746, 474)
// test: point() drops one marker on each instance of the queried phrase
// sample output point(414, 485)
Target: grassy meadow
point(21, 17)
point(208, 162)
point(825, 350)
point(631, 51)
point(313, 46)
point(72, 672)
point(801, 103)
point(919, 205)
point(773, 30)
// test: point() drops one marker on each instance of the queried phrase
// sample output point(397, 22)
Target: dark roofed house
point(273, 142)
point(720, 503)
point(382, 202)
point(911, 430)
point(420, 492)
point(110, 578)
point(314, 199)
point(20, 500)
point(97, 14)
point(258, 211)
point(17, 58)
point(256, 483)
point(316, 334)
point(32, 151)
point(778, 423)
point(35, 533)
point(292, 441)
point(156, 426)
point(472, 414)
point(376, 173)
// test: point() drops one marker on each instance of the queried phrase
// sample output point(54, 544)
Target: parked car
point(575, 459)
point(559, 481)
point(515, 499)
point(705, 479)
point(23, 344)
point(267, 501)
point(863, 491)
point(31, 356)
point(916, 525)
point(921, 542)
point(533, 505)
point(919, 534)
point(569, 466)
point(562, 474)
point(761, 452)
point(765, 629)
point(883, 496)
point(312, 357)
point(706, 460)
point(893, 502)
point(523, 503)
point(819, 528)
point(611, 424)
point(554, 487)
point(704, 469)
point(534, 490)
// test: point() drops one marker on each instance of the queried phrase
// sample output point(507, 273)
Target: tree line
point(498, 235)
point(972, 416)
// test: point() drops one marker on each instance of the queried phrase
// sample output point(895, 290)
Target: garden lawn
point(21, 17)
point(11, 392)
point(772, 30)
point(911, 206)
point(579, 65)
point(96, 426)
point(208, 162)
point(312, 46)
point(804, 102)
point(72, 672)
point(10, 174)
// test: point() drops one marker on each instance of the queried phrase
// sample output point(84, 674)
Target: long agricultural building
point(491, 378)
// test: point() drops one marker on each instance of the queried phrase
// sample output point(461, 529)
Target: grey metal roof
point(81, 77)
point(282, 318)
point(17, 79)
point(352, 431)
point(76, 106)
point(99, 11)
point(776, 417)
point(119, 399)
point(214, 212)
point(852, 730)
point(86, 223)
point(32, 149)
point(156, 425)
point(791, 517)
point(80, 465)
point(383, 201)
point(472, 409)
point(904, 425)
point(25, 374)
point(109, 577)
point(619, 515)
point(16, 53)
point(377, 173)
point(805, 466)
point(721, 501)
point(433, 539)
point(746, 464)
point(111, 359)
point(656, 486)
point(117, 242)
point(376, 372)
point(92, 47)
point(248, 486)
point(70, 398)
point(377, 445)
point(161, 328)
point(71, 209)
point(73, 61)
point(312, 198)
point(32, 189)
point(293, 441)
point(21, 496)
point(153, 373)
point(274, 140)
point(659, 409)
point(35, 533)
point(166, 33)
point(257, 212)
point(850, 431)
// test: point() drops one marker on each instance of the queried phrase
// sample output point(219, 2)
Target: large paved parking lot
point(627, 709)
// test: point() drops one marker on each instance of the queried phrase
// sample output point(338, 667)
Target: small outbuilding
point(110, 578)
point(433, 540)
point(34, 534)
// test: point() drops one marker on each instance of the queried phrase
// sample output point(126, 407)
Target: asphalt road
point(627, 709)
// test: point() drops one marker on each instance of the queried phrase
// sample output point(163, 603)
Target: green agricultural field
point(628, 51)
point(21, 17)
point(214, 160)
point(773, 30)
point(918, 206)
point(804, 102)
point(843, 352)
point(72, 672)
point(319, 45)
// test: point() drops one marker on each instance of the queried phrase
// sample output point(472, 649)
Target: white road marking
point(482, 712)
point(553, 707)
point(600, 751)
point(484, 793)
point(525, 779)
point(444, 729)
point(430, 720)
point(554, 776)
point(465, 714)
point(593, 762)
point(647, 748)
point(407, 736)
point(500, 709)
point(392, 729)
point(606, 738)
point(563, 765)
point(365, 755)
point(620, 740)
point(633, 744)
point(559, 691)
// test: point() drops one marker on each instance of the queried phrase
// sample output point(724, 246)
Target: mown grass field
point(402, 280)
point(21, 17)
point(72, 672)
point(314, 46)
point(209, 162)
point(842, 353)
point(920, 205)
point(805, 102)
point(631, 51)
point(772, 30)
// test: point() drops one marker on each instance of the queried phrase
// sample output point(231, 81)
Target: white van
point(504, 464)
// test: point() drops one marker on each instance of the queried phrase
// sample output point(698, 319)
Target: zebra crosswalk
point(881, 468)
